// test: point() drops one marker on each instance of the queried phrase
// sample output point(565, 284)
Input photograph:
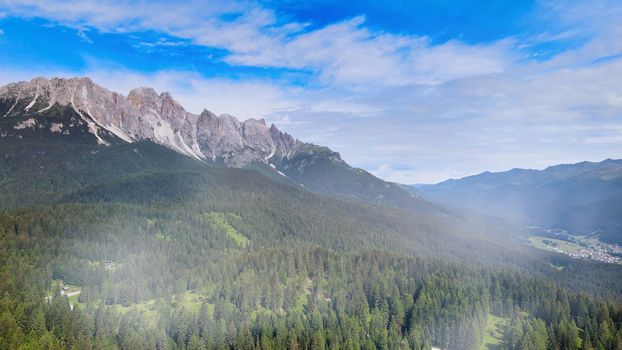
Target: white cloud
point(200, 21)
point(349, 54)
point(595, 22)
point(345, 53)
point(523, 118)
point(82, 35)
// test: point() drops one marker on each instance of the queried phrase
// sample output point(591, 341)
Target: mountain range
point(73, 113)
point(582, 198)
point(78, 110)
point(70, 141)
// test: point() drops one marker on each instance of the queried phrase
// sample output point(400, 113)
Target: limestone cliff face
point(147, 115)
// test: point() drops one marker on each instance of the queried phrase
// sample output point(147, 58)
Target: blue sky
point(413, 91)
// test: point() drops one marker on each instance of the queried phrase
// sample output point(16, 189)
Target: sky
point(412, 91)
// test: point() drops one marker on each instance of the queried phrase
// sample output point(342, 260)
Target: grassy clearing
point(566, 246)
point(579, 243)
point(147, 310)
point(301, 302)
point(493, 335)
point(220, 220)
point(192, 300)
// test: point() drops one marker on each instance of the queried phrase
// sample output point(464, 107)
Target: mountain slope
point(144, 173)
point(126, 187)
point(581, 198)
point(81, 110)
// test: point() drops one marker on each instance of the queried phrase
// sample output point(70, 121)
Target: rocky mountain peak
point(146, 115)
point(142, 96)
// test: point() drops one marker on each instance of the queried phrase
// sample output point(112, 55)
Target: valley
point(580, 247)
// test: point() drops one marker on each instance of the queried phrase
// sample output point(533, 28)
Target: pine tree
point(587, 343)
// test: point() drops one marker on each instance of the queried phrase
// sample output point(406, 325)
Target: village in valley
point(579, 247)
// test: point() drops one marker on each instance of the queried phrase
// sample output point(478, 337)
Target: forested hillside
point(160, 251)
point(172, 290)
